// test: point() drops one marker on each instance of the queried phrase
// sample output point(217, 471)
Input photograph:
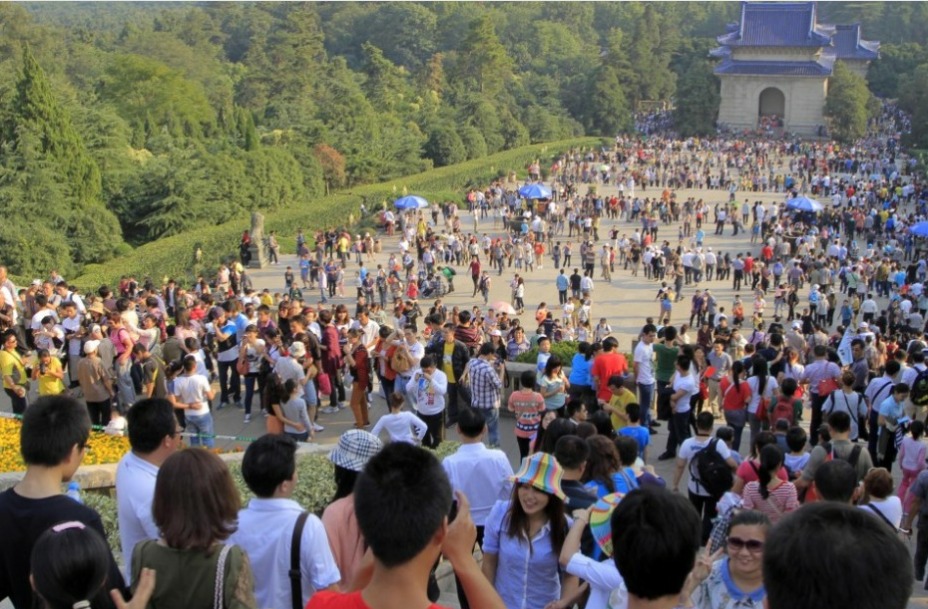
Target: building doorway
point(771, 108)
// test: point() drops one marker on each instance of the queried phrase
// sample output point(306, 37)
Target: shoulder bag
point(296, 579)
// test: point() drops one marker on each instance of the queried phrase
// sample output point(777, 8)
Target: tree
point(650, 59)
point(697, 100)
point(911, 98)
point(608, 111)
point(846, 105)
point(482, 59)
point(444, 146)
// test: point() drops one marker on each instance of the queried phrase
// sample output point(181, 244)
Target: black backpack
point(711, 471)
point(919, 395)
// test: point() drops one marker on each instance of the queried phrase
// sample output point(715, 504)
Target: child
point(49, 374)
point(288, 278)
point(293, 412)
point(791, 409)
point(528, 406)
point(618, 403)
point(727, 435)
point(602, 330)
point(797, 457)
point(846, 313)
point(576, 412)
point(911, 460)
point(399, 423)
point(780, 428)
point(117, 425)
point(544, 354)
point(635, 430)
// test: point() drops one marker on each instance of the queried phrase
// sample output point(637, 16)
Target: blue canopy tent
point(919, 229)
point(410, 202)
point(535, 191)
point(804, 204)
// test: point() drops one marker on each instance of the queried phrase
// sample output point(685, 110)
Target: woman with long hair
point(195, 508)
point(358, 361)
point(736, 394)
point(554, 385)
point(732, 577)
point(604, 473)
point(769, 493)
point(763, 391)
point(355, 448)
point(749, 470)
point(524, 537)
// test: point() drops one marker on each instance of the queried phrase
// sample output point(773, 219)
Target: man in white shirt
point(644, 371)
point(415, 351)
point(73, 331)
point(701, 499)
point(481, 473)
point(154, 435)
point(267, 527)
point(428, 386)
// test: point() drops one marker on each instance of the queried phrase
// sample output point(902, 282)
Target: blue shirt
point(562, 283)
point(640, 434)
point(580, 370)
point(624, 481)
point(891, 409)
point(524, 579)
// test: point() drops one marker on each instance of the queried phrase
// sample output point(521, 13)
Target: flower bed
point(101, 448)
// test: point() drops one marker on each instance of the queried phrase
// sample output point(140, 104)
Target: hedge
point(174, 256)
point(314, 490)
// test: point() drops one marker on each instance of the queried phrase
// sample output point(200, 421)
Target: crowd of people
point(585, 520)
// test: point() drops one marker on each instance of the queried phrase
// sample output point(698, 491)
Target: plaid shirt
point(485, 384)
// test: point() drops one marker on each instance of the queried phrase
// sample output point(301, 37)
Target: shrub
point(566, 350)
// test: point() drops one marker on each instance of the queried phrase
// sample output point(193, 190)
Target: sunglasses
point(752, 545)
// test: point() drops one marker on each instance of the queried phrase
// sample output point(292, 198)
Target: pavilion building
point(775, 64)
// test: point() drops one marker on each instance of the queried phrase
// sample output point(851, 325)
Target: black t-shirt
point(22, 521)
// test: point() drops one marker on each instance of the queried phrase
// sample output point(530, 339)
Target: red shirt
point(604, 366)
point(338, 600)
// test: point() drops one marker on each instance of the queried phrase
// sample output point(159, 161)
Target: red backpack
point(782, 409)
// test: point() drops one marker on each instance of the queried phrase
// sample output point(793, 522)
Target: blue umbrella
point(804, 204)
point(919, 229)
point(410, 202)
point(535, 191)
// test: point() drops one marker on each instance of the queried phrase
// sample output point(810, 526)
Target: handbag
point(242, 367)
point(826, 387)
point(218, 592)
point(325, 383)
point(400, 361)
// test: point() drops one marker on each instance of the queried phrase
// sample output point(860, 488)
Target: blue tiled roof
point(848, 44)
point(781, 24)
point(776, 68)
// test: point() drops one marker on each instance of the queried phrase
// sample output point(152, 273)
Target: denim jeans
point(309, 394)
point(679, 425)
point(645, 395)
point(250, 382)
point(201, 424)
point(124, 385)
point(492, 417)
point(229, 387)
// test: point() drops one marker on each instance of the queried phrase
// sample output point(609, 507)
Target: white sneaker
point(328, 410)
point(317, 427)
point(247, 419)
point(342, 405)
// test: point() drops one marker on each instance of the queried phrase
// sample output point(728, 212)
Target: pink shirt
point(781, 500)
point(345, 538)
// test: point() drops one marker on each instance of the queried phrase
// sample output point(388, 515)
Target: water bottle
point(74, 491)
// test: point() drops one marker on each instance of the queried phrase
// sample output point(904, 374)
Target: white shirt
point(770, 392)
point(265, 531)
point(288, 369)
point(429, 396)
point(891, 508)
point(193, 389)
point(603, 578)
point(482, 474)
point(644, 357)
point(688, 450)
point(400, 425)
point(416, 353)
point(135, 491)
point(690, 386)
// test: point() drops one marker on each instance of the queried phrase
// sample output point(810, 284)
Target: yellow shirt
point(48, 384)
point(620, 402)
point(267, 299)
point(11, 364)
point(446, 362)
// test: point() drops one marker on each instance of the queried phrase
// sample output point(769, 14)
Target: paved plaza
point(625, 303)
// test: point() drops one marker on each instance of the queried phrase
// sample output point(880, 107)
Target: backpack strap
point(882, 516)
point(296, 580)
